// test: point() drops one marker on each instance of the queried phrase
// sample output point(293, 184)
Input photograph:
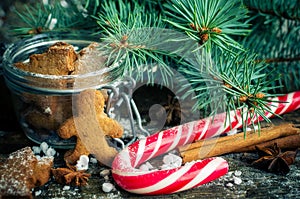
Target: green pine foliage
point(130, 36)
point(56, 16)
point(210, 23)
point(275, 37)
point(235, 54)
point(228, 83)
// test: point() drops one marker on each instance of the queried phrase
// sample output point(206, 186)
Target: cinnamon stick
point(222, 145)
point(288, 142)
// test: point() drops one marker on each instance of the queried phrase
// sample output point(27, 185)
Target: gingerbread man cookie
point(90, 125)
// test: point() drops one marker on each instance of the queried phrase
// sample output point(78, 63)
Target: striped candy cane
point(192, 174)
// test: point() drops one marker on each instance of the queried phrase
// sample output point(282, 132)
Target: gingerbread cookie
point(21, 172)
point(59, 59)
point(91, 124)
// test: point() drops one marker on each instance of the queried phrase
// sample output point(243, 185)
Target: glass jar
point(43, 102)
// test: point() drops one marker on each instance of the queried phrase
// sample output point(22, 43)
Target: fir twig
point(133, 38)
point(209, 22)
point(55, 16)
point(277, 46)
point(278, 8)
point(229, 84)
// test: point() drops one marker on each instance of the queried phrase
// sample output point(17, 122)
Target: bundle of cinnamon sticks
point(287, 136)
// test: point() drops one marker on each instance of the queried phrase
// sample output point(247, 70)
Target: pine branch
point(55, 16)
point(209, 22)
point(230, 83)
point(133, 38)
point(274, 13)
point(275, 38)
point(278, 8)
point(280, 59)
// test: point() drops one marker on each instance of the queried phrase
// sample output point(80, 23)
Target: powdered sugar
point(16, 171)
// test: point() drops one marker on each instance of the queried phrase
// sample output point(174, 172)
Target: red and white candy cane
point(192, 174)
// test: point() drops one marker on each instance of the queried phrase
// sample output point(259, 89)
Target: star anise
point(71, 175)
point(272, 159)
point(173, 110)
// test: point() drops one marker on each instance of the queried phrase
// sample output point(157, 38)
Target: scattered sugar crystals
point(82, 163)
point(38, 192)
point(141, 136)
point(36, 150)
point(147, 166)
point(248, 129)
point(45, 148)
point(66, 187)
point(107, 187)
point(48, 110)
point(237, 173)
point(237, 180)
point(232, 132)
point(171, 161)
point(233, 178)
point(104, 172)
point(229, 184)
point(255, 127)
point(93, 160)
point(50, 152)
